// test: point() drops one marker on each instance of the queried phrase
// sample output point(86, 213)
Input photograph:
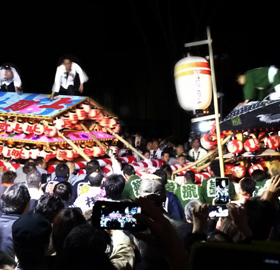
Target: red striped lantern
point(273, 142)
point(255, 167)
point(208, 141)
point(235, 146)
point(239, 171)
point(252, 145)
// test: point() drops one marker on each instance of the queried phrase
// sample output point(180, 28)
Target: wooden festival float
point(68, 128)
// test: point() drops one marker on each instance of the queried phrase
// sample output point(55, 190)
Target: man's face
point(147, 155)
point(155, 145)
point(181, 160)
point(149, 145)
point(9, 74)
point(44, 165)
point(67, 63)
point(241, 79)
point(179, 149)
point(166, 157)
point(195, 144)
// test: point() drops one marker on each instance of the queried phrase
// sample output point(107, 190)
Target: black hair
point(247, 184)
point(33, 178)
point(190, 176)
point(49, 205)
point(258, 175)
point(64, 222)
point(129, 170)
point(162, 174)
point(15, 199)
point(9, 177)
point(5, 259)
point(92, 166)
point(215, 167)
point(114, 186)
point(167, 169)
point(62, 170)
point(63, 190)
point(89, 245)
point(95, 181)
point(146, 151)
point(29, 166)
point(39, 161)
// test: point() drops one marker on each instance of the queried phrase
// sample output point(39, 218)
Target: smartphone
point(222, 190)
point(116, 215)
point(218, 211)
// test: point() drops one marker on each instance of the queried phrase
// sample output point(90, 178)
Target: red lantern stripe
point(191, 72)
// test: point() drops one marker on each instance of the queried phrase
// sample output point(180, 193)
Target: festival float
point(68, 128)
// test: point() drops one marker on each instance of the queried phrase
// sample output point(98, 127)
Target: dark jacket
point(6, 238)
point(174, 207)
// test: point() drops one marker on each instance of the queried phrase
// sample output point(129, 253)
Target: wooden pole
point(203, 158)
point(93, 137)
point(74, 146)
point(126, 143)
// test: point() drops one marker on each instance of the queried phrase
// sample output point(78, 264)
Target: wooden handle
point(74, 146)
point(126, 143)
point(203, 158)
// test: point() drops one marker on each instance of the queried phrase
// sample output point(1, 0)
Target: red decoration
point(208, 141)
point(229, 168)
point(252, 145)
point(235, 146)
point(255, 167)
point(239, 171)
point(273, 142)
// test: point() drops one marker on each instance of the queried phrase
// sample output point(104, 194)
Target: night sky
point(129, 48)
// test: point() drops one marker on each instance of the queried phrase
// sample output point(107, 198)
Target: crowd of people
point(46, 221)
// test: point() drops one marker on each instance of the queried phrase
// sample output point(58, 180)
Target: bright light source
point(204, 126)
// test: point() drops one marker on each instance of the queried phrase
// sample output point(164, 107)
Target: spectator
point(6, 261)
point(41, 165)
point(189, 190)
point(8, 178)
point(31, 233)
point(196, 152)
point(22, 171)
point(179, 150)
point(15, 201)
point(165, 156)
point(73, 177)
point(114, 186)
point(260, 178)
point(181, 159)
point(63, 190)
point(133, 181)
point(86, 200)
point(156, 152)
point(246, 190)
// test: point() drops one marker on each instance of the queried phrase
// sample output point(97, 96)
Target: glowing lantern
point(73, 117)
point(46, 154)
point(193, 83)
point(113, 122)
point(104, 121)
point(89, 150)
point(34, 152)
point(9, 125)
point(86, 107)
point(239, 171)
point(7, 150)
point(117, 128)
point(255, 167)
point(208, 141)
point(273, 142)
point(1, 147)
point(67, 121)
point(94, 114)
point(28, 127)
point(252, 145)
point(69, 153)
point(25, 154)
point(229, 168)
point(61, 153)
point(16, 152)
point(235, 146)
point(50, 130)
point(2, 123)
point(59, 124)
point(96, 151)
point(38, 129)
point(53, 151)
point(81, 113)
point(18, 125)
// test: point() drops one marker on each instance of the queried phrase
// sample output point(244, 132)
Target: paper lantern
point(96, 151)
point(252, 145)
point(59, 124)
point(69, 153)
point(16, 152)
point(53, 151)
point(28, 127)
point(229, 168)
point(117, 128)
point(61, 153)
point(66, 120)
point(50, 130)
point(2, 123)
point(81, 113)
point(73, 116)
point(112, 123)
point(239, 171)
point(235, 146)
point(1, 147)
point(273, 142)
point(208, 141)
point(46, 154)
point(25, 154)
point(38, 129)
point(193, 83)
point(34, 152)
point(18, 125)
point(104, 121)
point(9, 126)
point(86, 107)
point(94, 114)
point(88, 150)
point(255, 167)
point(7, 150)
point(115, 150)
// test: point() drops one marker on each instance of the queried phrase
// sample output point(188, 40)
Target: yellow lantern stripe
point(191, 72)
point(192, 65)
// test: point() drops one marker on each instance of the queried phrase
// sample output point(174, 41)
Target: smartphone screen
point(222, 190)
point(218, 211)
point(116, 215)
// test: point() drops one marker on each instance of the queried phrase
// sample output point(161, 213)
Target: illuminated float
point(32, 125)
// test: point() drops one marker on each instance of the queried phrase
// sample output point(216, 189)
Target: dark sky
point(128, 48)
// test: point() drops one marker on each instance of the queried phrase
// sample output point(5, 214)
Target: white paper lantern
point(193, 83)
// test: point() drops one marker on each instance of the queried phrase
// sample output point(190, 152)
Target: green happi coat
point(131, 188)
point(171, 186)
point(187, 192)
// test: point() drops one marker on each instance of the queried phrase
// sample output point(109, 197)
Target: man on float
point(65, 78)
point(9, 79)
point(258, 83)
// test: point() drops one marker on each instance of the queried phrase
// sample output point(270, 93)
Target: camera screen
point(119, 216)
point(218, 211)
point(222, 191)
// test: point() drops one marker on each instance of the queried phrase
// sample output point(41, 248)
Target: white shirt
point(35, 193)
point(197, 155)
point(61, 78)
point(157, 154)
point(16, 79)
